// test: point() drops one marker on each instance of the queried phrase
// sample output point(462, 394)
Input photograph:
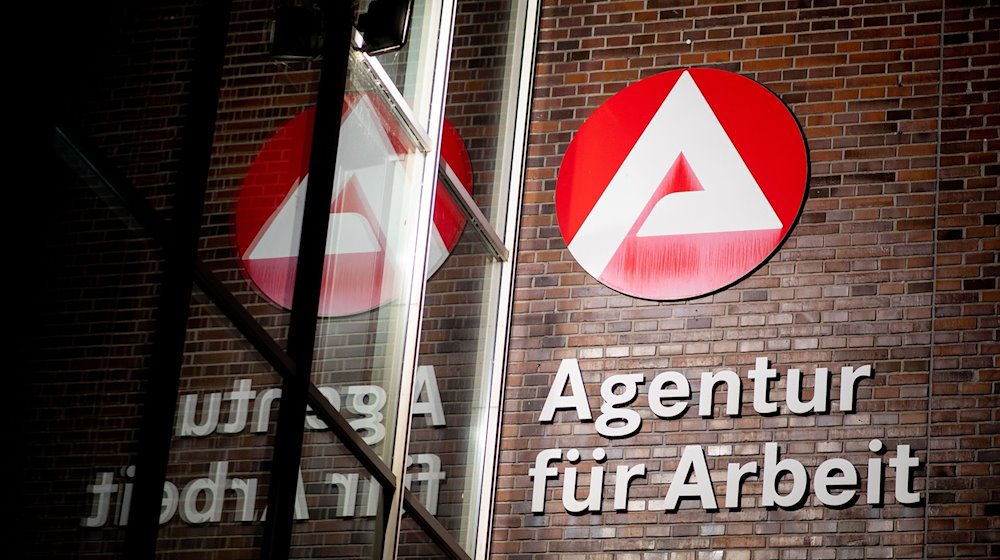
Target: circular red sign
point(682, 184)
point(359, 272)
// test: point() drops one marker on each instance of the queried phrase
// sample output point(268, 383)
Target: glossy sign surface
point(682, 184)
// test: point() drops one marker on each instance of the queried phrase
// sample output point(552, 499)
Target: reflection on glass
point(458, 334)
point(415, 544)
point(250, 228)
point(411, 67)
point(339, 506)
point(482, 85)
point(371, 242)
point(219, 465)
point(452, 388)
point(370, 245)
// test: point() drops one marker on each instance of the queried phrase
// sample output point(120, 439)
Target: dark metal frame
point(308, 279)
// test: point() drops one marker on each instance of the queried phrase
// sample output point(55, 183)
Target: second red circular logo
point(362, 268)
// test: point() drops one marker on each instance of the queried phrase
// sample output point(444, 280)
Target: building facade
point(838, 401)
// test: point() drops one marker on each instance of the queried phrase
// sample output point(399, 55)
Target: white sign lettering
point(784, 482)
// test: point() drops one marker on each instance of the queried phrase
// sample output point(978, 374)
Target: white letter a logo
point(684, 131)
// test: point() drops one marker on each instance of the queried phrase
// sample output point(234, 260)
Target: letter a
point(569, 372)
point(692, 463)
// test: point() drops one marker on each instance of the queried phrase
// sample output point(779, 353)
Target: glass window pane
point(371, 247)
point(416, 544)
point(251, 238)
point(261, 157)
point(452, 387)
point(482, 86)
point(219, 466)
point(411, 67)
point(458, 335)
point(339, 516)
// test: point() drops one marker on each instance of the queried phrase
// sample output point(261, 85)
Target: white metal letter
point(772, 471)
point(631, 421)
point(569, 372)
point(734, 392)
point(692, 463)
point(762, 376)
point(540, 474)
point(658, 391)
point(849, 378)
point(825, 480)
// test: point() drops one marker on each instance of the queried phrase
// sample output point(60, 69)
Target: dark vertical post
point(181, 252)
point(339, 17)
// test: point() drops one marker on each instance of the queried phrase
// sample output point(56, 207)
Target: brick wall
point(893, 264)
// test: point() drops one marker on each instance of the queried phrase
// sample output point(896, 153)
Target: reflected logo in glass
point(363, 259)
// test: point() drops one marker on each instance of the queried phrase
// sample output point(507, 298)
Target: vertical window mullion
point(435, 117)
point(517, 131)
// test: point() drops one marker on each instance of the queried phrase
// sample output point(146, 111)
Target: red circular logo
point(682, 184)
point(360, 271)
